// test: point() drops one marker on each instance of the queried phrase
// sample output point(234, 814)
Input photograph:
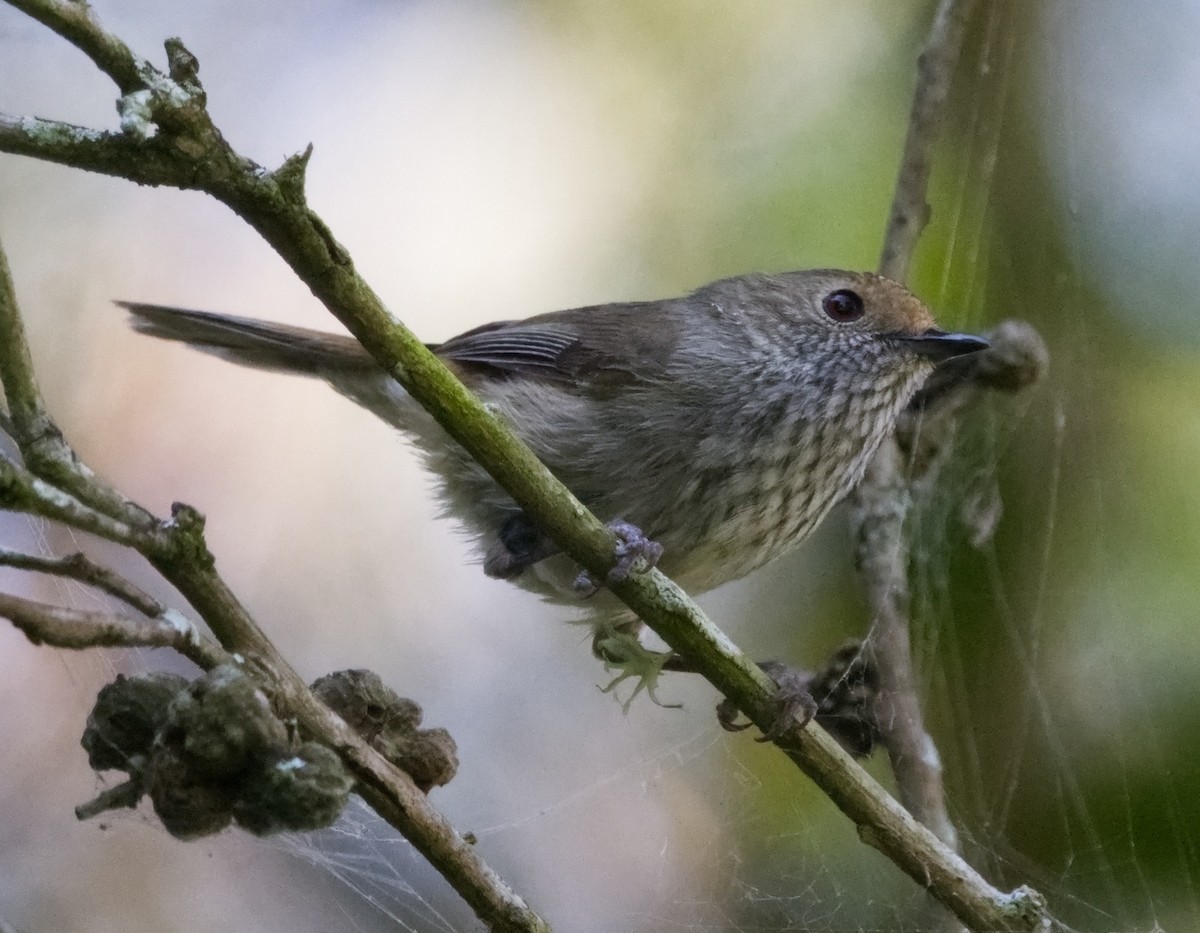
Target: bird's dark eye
point(843, 305)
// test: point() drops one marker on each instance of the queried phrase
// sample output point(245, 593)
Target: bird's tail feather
point(260, 344)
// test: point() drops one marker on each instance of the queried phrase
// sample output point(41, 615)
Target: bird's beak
point(937, 345)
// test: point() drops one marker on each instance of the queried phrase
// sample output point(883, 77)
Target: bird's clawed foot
point(841, 697)
point(622, 651)
point(793, 703)
point(632, 546)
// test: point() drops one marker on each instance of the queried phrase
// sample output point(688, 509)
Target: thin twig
point(188, 151)
point(123, 796)
point(78, 629)
point(79, 567)
point(879, 502)
point(910, 210)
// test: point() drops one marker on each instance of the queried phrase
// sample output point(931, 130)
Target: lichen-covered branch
point(21, 491)
point(168, 138)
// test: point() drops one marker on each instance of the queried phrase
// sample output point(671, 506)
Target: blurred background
point(484, 160)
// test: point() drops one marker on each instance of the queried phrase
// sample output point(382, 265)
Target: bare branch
point(879, 510)
point(1017, 358)
point(910, 211)
point(77, 629)
point(79, 567)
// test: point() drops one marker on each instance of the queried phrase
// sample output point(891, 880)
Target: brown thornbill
point(723, 425)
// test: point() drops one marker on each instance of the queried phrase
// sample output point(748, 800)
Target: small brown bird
point(724, 424)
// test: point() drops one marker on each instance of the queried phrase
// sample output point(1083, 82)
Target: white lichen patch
point(136, 114)
point(50, 132)
point(182, 624)
point(54, 497)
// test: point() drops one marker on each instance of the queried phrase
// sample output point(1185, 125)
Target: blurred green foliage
point(1059, 658)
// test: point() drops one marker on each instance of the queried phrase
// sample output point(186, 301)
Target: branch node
point(290, 175)
point(183, 66)
point(186, 535)
point(1028, 909)
point(868, 835)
